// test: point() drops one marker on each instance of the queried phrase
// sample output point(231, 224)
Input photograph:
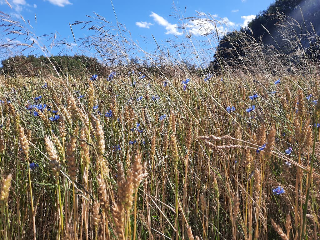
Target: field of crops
point(138, 156)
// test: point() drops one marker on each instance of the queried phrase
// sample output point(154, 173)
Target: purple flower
point(162, 117)
point(254, 96)
point(288, 151)
point(277, 82)
point(165, 83)
point(94, 77)
point(230, 109)
point(250, 109)
point(261, 148)
point(35, 113)
point(132, 142)
point(33, 166)
point(108, 114)
point(139, 98)
point(81, 96)
point(55, 118)
point(186, 81)
point(37, 98)
point(308, 97)
point(278, 190)
point(95, 107)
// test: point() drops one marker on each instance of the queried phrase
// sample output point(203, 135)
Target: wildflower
point(186, 81)
point(54, 111)
point(278, 190)
point(165, 83)
point(155, 98)
point(81, 96)
point(308, 97)
point(277, 82)
point(111, 76)
point(37, 98)
point(317, 125)
point(55, 118)
point(94, 77)
point(261, 148)
point(162, 117)
point(33, 166)
point(141, 77)
point(108, 114)
point(315, 102)
point(95, 107)
point(117, 148)
point(254, 96)
point(29, 106)
point(35, 113)
point(230, 109)
point(132, 142)
point(273, 92)
point(139, 98)
point(250, 109)
point(288, 163)
point(288, 151)
point(45, 85)
point(184, 87)
point(208, 77)
point(41, 107)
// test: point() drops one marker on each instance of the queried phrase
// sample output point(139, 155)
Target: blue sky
point(147, 23)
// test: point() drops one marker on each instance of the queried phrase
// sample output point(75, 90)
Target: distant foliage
point(31, 66)
point(290, 26)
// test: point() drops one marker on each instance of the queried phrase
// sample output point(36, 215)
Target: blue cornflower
point(143, 76)
point(81, 96)
point(29, 106)
point(37, 98)
point(250, 109)
point(109, 113)
point(138, 125)
point(208, 77)
point(162, 117)
point(95, 107)
point(111, 76)
point(139, 98)
point(317, 125)
point(155, 98)
point(254, 96)
point(186, 81)
point(315, 102)
point(278, 190)
point(308, 97)
point(94, 77)
point(45, 85)
point(117, 147)
point(288, 163)
point(230, 109)
point(55, 118)
point(40, 106)
point(132, 142)
point(273, 92)
point(165, 83)
point(261, 148)
point(184, 87)
point(288, 151)
point(277, 82)
point(33, 166)
point(54, 111)
point(35, 113)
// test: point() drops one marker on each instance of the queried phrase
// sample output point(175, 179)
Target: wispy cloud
point(205, 26)
point(234, 11)
point(243, 1)
point(143, 24)
point(171, 28)
point(247, 19)
point(60, 3)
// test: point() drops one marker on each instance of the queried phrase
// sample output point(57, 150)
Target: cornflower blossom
point(309, 97)
point(55, 118)
point(165, 83)
point(254, 96)
point(288, 151)
point(117, 148)
point(278, 190)
point(261, 148)
point(277, 82)
point(33, 166)
point(162, 117)
point(94, 77)
point(139, 98)
point(37, 98)
point(250, 109)
point(230, 109)
point(208, 77)
point(111, 76)
point(132, 142)
point(95, 107)
point(108, 114)
point(155, 98)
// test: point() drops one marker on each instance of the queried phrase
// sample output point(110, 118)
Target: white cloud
point(143, 24)
point(243, 0)
point(205, 26)
point(171, 28)
point(247, 19)
point(19, 2)
point(234, 11)
point(35, 5)
point(60, 3)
